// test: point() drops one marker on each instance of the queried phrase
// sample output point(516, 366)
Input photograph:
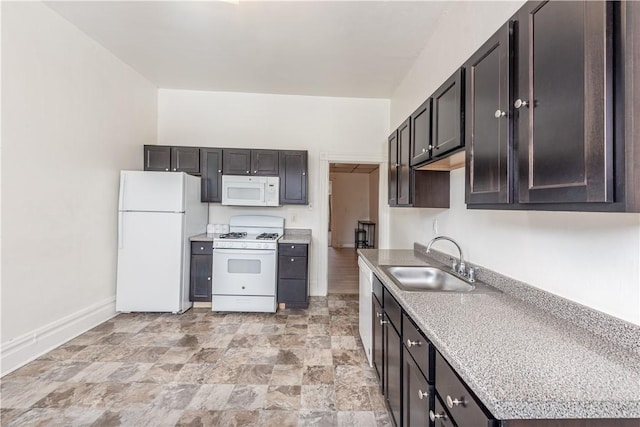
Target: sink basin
point(424, 279)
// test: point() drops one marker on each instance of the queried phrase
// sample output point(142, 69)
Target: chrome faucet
point(459, 267)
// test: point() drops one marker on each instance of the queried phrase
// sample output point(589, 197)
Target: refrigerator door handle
point(122, 183)
point(120, 227)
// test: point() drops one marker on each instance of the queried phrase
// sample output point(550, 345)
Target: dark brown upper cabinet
point(211, 169)
point(393, 169)
point(447, 129)
point(250, 162)
point(264, 162)
point(399, 170)
point(564, 102)
point(294, 179)
point(236, 161)
point(487, 120)
point(172, 159)
point(421, 134)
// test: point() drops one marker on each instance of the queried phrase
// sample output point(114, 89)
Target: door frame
point(322, 285)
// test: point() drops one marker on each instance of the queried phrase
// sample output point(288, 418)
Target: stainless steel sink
point(424, 279)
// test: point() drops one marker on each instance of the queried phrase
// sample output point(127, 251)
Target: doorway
point(353, 200)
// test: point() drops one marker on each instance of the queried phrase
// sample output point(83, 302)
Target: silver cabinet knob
point(520, 103)
point(167, 170)
point(430, 147)
point(293, 247)
point(454, 402)
point(219, 171)
point(304, 173)
point(384, 322)
point(247, 171)
point(292, 259)
point(412, 343)
point(422, 394)
point(174, 169)
point(433, 416)
point(424, 150)
point(208, 278)
point(499, 114)
point(378, 314)
point(255, 171)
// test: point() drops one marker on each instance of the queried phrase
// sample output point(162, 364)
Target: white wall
point(591, 258)
point(73, 115)
point(350, 203)
point(329, 128)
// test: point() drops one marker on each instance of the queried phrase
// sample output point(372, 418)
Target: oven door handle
point(244, 251)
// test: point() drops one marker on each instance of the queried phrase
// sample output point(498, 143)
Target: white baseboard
point(22, 350)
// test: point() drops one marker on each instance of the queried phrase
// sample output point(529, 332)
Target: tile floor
point(292, 368)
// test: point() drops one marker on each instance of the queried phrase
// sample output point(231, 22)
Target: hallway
point(342, 270)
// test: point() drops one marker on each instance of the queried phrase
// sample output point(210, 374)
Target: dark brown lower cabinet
point(378, 334)
point(393, 371)
point(418, 395)
point(293, 276)
point(201, 271)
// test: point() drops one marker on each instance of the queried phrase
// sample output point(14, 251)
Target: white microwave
point(238, 190)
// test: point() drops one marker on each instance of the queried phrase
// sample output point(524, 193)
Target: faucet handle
point(462, 269)
point(454, 264)
point(471, 273)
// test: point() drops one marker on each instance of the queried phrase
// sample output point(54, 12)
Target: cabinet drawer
point(201, 248)
point(392, 310)
point(377, 289)
point(292, 249)
point(292, 290)
point(440, 416)
point(292, 267)
point(419, 347)
point(464, 408)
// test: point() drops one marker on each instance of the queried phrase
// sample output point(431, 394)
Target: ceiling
point(351, 168)
point(322, 48)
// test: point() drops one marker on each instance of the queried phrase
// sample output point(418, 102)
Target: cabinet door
point(392, 368)
point(201, 267)
point(185, 159)
point(564, 102)
point(236, 161)
point(211, 172)
point(418, 396)
point(292, 292)
point(394, 166)
point(488, 135)
point(264, 162)
point(404, 158)
point(378, 335)
point(157, 158)
point(448, 115)
point(293, 177)
point(421, 133)
point(292, 267)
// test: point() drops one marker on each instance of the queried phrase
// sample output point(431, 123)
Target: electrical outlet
point(435, 226)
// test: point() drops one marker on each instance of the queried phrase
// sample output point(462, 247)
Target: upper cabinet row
point(540, 110)
point(539, 106)
point(212, 163)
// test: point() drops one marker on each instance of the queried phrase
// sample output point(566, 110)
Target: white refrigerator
point(157, 213)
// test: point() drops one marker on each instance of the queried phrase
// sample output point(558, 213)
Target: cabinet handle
point(202, 248)
point(247, 171)
point(499, 114)
point(433, 416)
point(412, 343)
point(293, 247)
point(174, 169)
point(208, 278)
point(304, 173)
point(292, 259)
point(422, 394)
point(424, 150)
point(219, 171)
point(430, 147)
point(384, 322)
point(167, 170)
point(454, 402)
point(255, 171)
point(520, 103)
point(378, 314)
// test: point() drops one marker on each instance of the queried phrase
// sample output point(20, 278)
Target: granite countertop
point(301, 236)
point(202, 238)
point(521, 361)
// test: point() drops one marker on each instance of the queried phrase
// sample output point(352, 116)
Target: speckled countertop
point(521, 361)
point(300, 236)
point(202, 238)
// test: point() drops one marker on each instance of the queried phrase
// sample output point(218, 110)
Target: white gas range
point(244, 264)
